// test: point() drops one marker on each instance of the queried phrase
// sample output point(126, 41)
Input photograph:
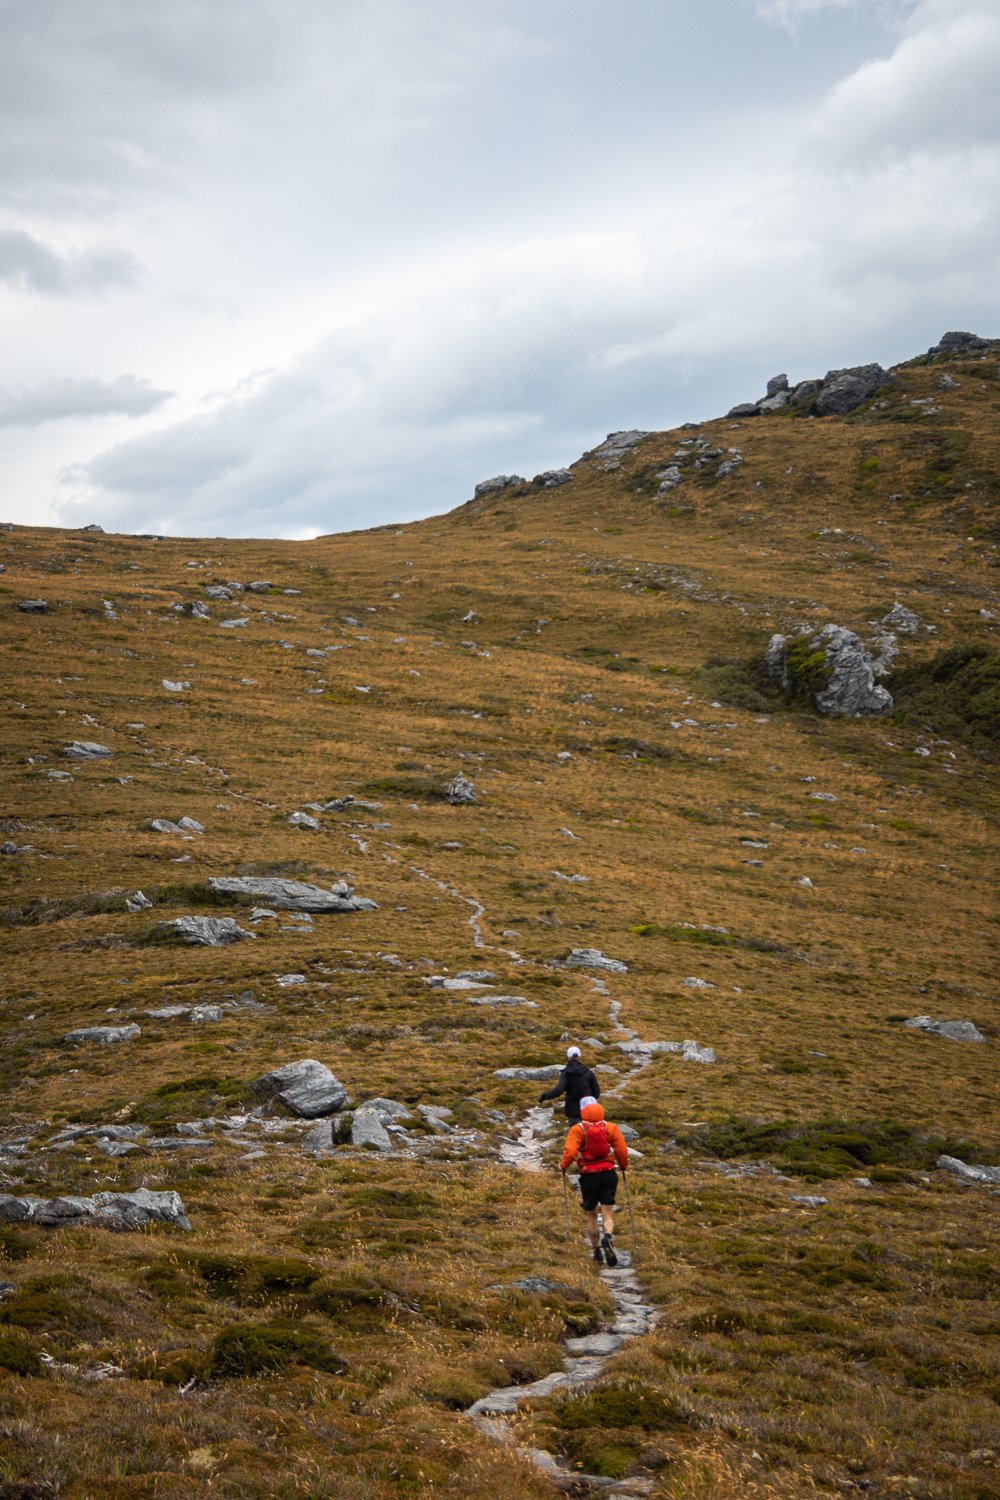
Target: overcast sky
point(283, 267)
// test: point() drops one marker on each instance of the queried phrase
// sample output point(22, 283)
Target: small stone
point(693, 983)
point(460, 791)
point(808, 1200)
point(692, 1052)
point(493, 486)
point(203, 1014)
point(85, 750)
point(8, 847)
point(33, 606)
point(552, 478)
point(289, 981)
point(175, 687)
point(593, 958)
point(304, 820)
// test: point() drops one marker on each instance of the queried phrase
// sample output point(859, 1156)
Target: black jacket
point(576, 1082)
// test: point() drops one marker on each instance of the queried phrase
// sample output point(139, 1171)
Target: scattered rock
point(367, 1130)
point(33, 606)
point(905, 621)
point(535, 1286)
point(8, 847)
point(744, 409)
point(103, 1036)
point(551, 479)
point(691, 1052)
point(832, 667)
point(85, 750)
point(955, 1031)
point(615, 445)
point(694, 983)
point(207, 932)
point(197, 610)
point(204, 1014)
point(503, 1000)
point(496, 484)
point(138, 901)
point(190, 825)
point(291, 895)
point(808, 1200)
point(593, 958)
point(175, 687)
point(289, 981)
point(460, 791)
point(957, 343)
point(307, 1088)
point(115, 1210)
point(970, 1173)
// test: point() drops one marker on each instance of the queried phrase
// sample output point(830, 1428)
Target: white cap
point(572, 1052)
point(587, 1099)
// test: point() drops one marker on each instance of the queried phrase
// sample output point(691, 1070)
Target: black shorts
point(598, 1187)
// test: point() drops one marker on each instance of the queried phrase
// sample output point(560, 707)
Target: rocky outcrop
point(551, 479)
point(839, 392)
point(593, 958)
point(968, 1170)
point(832, 668)
point(955, 1031)
point(307, 1088)
point(615, 445)
point(112, 1210)
point(954, 343)
point(205, 932)
point(290, 895)
point(103, 1036)
point(85, 750)
point(487, 487)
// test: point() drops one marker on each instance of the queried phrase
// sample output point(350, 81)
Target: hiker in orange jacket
point(595, 1144)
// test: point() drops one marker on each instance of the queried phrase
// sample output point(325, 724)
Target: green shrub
point(14, 1243)
point(263, 1348)
point(417, 788)
point(806, 669)
point(18, 1357)
point(622, 1405)
point(830, 1148)
point(175, 1367)
point(956, 693)
point(739, 684)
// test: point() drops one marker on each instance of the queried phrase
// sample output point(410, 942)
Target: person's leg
point(592, 1228)
point(608, 1218)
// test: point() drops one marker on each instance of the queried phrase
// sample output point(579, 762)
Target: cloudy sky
point(283, 267)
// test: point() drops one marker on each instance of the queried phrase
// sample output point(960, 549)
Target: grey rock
point(851, 688)
point(33, 606)
point(744, 409)
point(138, 901)
point(593, 958)
point(808, 1200)
point(368, 1131)
point(503, 1000)
point(969, 1172)
point(85, 750)
point(777, 384)
point(115, 1210)
point(173, 1143)
point(595, 1343)
point(774, 403)
point(291, 895)
point(843, 390)
point(307, 1088)
point(197, 609)
point(616, 444)
point(958, 343)
point(304, 820)
point(260, 586)
point(628, 1131)
point(175, 687)
point(729, 465)
point(118, 1132)
point(694, 983)
point(535, 1286)
point(691, 1052)
point(116, 1148)
point(190, 825)
point(288, 981)
point(165, 825)
point(551, 479)
point(804, 391)
point(93, 526)
point(529, 1075)
point(169, 1012)
point(8, 847)
point(259, 913)
point(103, 1036)
point(203, 1014)
point(496, 484)
point(460, 791)
point(205, 932)
point(955, 1031)
point(387, 1109)
point(217, 591)
point(905, 621)
point(319, 1138)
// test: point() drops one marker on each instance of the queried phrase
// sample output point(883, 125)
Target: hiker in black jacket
point(576, 1082)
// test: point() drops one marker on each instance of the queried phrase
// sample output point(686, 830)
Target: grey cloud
point(55, 400)
point(27, 262)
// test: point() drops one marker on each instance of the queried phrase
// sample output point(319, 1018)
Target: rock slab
point(307, 1088)
point(204, 932)
point(113, 1210)
point(291, 895)
point(955, 1031)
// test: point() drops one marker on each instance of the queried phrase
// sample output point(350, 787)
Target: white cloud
point(938, 87)
point(28, 262)
point(58, 399)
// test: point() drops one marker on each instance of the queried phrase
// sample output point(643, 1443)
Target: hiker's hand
point(541, 1098)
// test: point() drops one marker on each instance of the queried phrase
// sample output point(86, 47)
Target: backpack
point(595, 1153)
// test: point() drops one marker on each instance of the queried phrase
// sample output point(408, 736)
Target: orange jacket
point(577, 1135)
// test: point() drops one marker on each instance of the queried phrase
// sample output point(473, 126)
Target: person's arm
point(617, 1142)
point(574, 1142)
point(595, 1087)
point(553, 1093)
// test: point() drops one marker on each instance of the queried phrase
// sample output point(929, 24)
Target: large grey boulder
point(593, 958)
point(970, 1172)
point(367, 1130)
point(307, 1088)
point(955, 1031)
point(205, 932)
point(85, 750)
point(777, 384)
point(551, 479)
point(744, 409)
point(291, 895)
point(113, 1210)
point(849, 670)
point(104, 1036)
point(615, 445)
point(496, 484)
point(843, 390)
point(958, 343)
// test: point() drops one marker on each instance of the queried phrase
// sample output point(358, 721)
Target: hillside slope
point(784, 889)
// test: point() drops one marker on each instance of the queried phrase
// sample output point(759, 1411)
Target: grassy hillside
point(590, 657)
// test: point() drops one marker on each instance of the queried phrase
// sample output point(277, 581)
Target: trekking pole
point(631, 1219)
point(569, 1232)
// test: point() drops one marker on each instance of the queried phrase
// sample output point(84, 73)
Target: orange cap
point(592, 1113)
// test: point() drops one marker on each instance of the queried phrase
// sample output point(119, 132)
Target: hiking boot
point(609, 1250)
point(597, 1255)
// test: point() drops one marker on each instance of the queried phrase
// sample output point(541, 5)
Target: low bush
point(17, 1356)
point(262, 1348)
point(956, 693)
point(829, 1148)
